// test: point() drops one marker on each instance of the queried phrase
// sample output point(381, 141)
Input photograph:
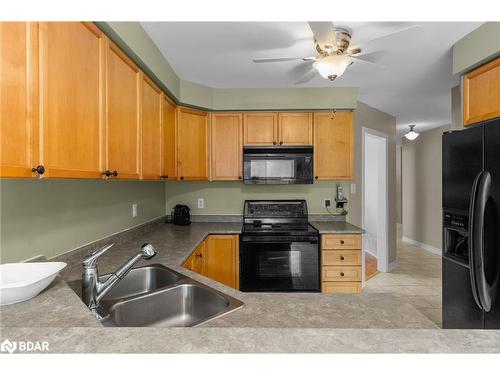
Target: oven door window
point(279, 266)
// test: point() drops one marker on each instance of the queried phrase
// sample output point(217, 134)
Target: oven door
point(279, 266)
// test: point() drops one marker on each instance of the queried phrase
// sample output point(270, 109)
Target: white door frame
point(383, 229)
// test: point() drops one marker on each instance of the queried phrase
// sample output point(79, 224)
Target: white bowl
point(22, 281)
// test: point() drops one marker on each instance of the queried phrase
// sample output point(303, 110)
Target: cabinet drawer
point(344, 287)
point(341, 273)
point(341, 257)
point(341, 241)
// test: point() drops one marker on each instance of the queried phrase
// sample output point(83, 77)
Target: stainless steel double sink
point(157, 296)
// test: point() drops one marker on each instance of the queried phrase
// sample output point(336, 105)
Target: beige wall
point(399, 198)
point(477, 47)
point(422, 188)
point(55, 216)
point(456, 108)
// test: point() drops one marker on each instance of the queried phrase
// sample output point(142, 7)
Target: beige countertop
point(286, 322)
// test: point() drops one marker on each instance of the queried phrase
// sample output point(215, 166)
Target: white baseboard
point(392, 265)
point(426, 247)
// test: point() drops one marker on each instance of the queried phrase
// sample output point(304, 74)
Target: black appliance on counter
point(471, 227)
point(181, 215)
point(278, 165)
point(279, 249)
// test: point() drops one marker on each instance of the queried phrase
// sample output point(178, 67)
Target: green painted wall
point(226, 197)
point(50, 217)
point(477, 47)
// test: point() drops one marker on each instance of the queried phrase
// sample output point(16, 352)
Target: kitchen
point(206, 213)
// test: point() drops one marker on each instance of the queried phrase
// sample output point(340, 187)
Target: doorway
point(375, 202)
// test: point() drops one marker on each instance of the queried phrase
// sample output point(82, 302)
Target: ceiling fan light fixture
point(412, 134)
point(332, 66)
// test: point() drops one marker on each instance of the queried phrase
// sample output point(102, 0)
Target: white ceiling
point(414, 83)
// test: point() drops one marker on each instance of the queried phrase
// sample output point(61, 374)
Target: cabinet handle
point(342, 257)
point(315, 177)
point(106, 173)
point(274, 143)
point(342, 274)
point(199, 255)
point(40, 169)
point(114, 173)
point(239, 177)
point(342, 242)
point(281, 142)
point(164, 176)
point(182, 177)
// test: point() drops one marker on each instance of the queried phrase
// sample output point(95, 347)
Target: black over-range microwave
point(278, 165)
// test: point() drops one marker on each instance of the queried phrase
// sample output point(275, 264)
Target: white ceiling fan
point(335, 54)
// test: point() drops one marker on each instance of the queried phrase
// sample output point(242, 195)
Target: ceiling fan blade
point(363, 44)
point(324, 33)
point(361, 61)
point(306, 77)
point(281, 59)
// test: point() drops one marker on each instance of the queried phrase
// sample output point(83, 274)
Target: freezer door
point(492, 221)
point(459, 307)
point(462, 161)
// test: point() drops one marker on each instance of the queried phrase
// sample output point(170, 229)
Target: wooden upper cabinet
point(192, 144)
point(151, 130)
point(169, 139)
point(221, 259)
point(226, 146)
point(481, 95)
point(71, 86)
point(295, 128)
point(18, 99)
point(122, 109)
point(333, 146)
point(260, 128)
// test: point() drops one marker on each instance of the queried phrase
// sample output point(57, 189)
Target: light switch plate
point(201, 203)
point(134, 209)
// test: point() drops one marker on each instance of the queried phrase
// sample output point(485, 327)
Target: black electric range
point(279, 249)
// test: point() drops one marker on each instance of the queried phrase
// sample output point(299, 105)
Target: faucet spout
point(93, 290)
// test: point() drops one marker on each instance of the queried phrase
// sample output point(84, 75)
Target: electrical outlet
point(353, 188)
point(328, 202)
point(201, 203)
point(134, 209)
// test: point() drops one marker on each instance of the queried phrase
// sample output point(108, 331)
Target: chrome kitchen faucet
point(94, 290)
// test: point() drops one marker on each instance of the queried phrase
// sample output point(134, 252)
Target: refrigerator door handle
point(480, 194)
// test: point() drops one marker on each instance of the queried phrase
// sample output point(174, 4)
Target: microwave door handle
point(483, 194)
point(473, 239)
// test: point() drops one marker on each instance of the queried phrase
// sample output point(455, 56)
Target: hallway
point(416, 279)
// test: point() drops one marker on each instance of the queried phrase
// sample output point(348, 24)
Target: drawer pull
point(342, 242)
point(342, 257)
point(342, 274)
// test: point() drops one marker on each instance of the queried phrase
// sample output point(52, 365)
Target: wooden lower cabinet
point(341, 258)
point(217, 258)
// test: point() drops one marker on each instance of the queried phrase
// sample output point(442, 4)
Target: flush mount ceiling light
point(412, 134)
point(332, 66)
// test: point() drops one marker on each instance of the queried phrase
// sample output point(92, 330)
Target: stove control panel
point(296, 209)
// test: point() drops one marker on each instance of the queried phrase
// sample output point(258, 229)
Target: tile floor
point(416, 279)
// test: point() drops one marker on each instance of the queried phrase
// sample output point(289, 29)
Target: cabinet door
point(260, 129)
point(18, 99)
point(199, 259)
point(295, 128)
point(226, 145)
point(151, 116)
point(333, 146)
point(71, 89)
point(482, 93)
point(169, 139)
point(122, 121)
point(221, 259)
point(192, 141)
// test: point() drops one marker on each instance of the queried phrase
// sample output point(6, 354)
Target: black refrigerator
point(471, 227)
